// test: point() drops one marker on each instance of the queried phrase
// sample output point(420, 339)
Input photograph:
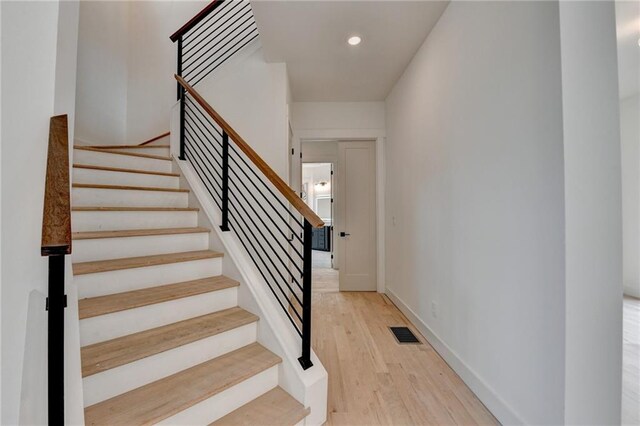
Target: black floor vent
point(404, 335)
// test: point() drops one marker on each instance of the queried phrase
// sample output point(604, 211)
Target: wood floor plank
point(373, 380)
point(118, 169)
point(127, 187)
point(113, 151)
point(141, 261)
point(101, 305)
point(275, 407)
point(161, 399)
point(91, 235)
point(123, 350)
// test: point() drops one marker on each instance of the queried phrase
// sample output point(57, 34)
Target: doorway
point(318, 192)
point(339, 184)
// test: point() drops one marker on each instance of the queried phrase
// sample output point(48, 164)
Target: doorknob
point(344, 234)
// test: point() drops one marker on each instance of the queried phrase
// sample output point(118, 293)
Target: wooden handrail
point(266, 170)
point(196, 19)
point(154, 138)
point(56, 216)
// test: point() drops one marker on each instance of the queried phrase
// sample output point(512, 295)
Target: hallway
point(375, 381)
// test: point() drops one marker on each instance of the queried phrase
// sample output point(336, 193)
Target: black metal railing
point(271, 222)
point(56, 244)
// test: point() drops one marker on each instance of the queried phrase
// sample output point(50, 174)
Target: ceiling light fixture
point(354, 40)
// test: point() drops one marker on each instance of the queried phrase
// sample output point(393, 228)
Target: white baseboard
point(494, 403)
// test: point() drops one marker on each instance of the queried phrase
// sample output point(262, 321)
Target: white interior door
point(356, 226)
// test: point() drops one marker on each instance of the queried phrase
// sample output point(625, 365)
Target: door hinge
point(292, 151)
point(300, 154)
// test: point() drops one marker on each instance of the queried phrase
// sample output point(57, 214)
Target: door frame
point(355, 135)
point(333, 164)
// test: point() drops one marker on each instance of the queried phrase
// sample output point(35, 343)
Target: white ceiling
point(311, 37)
point(628, 28)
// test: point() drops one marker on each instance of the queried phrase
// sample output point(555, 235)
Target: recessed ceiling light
point(354, 41)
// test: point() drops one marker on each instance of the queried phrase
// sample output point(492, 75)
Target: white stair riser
point(116, 381)
point(103, 283)
point(107, 177)
point(121, 220)
point(156, 150)
point(104, 248)
point(117, 324)
point(227, 401)
point(107, 159)
point(87, 197)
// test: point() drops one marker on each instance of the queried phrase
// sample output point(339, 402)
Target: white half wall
point(593, 214)
point(475, 202)
point(630, 154)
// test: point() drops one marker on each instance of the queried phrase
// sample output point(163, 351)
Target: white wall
point(38, 66)
point(251, 95)
point(126, 64)
point(152, 63)
point(593, 235)
point(317, 126)
point(101, 97)
point(474, 204)
point(630, 154)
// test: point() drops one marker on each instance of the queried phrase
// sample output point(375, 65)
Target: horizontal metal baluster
point(210, 188)
point(204, 164)
point(264, 210)
point(275, 295)
point(208, 124)
point(264, 184)
point(237, 218)
point(254, 36)
point(217, 15)
point(284, 249)
point(212, 35)
point(193, 150)
point(204, 139)
point(266, 240)
point(268, 202)
point(231, 38)
point(197, 117)
point(190, 74)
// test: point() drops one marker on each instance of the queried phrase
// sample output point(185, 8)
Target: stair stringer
point(275, 333)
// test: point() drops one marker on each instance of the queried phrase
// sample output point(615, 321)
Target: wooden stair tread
point(134, 209)
point(123, 350)
point(275, 407)
point(127, 187)
point(92, 267)
point(127, 146)
point(101, 305)
point(161, 399)
point(118, 169)
point(113, 151)
point(91, 235)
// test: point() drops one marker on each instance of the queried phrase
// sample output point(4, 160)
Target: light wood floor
point(375, 381)
point(631, 362)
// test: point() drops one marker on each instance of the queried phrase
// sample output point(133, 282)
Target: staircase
point(163, 338)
